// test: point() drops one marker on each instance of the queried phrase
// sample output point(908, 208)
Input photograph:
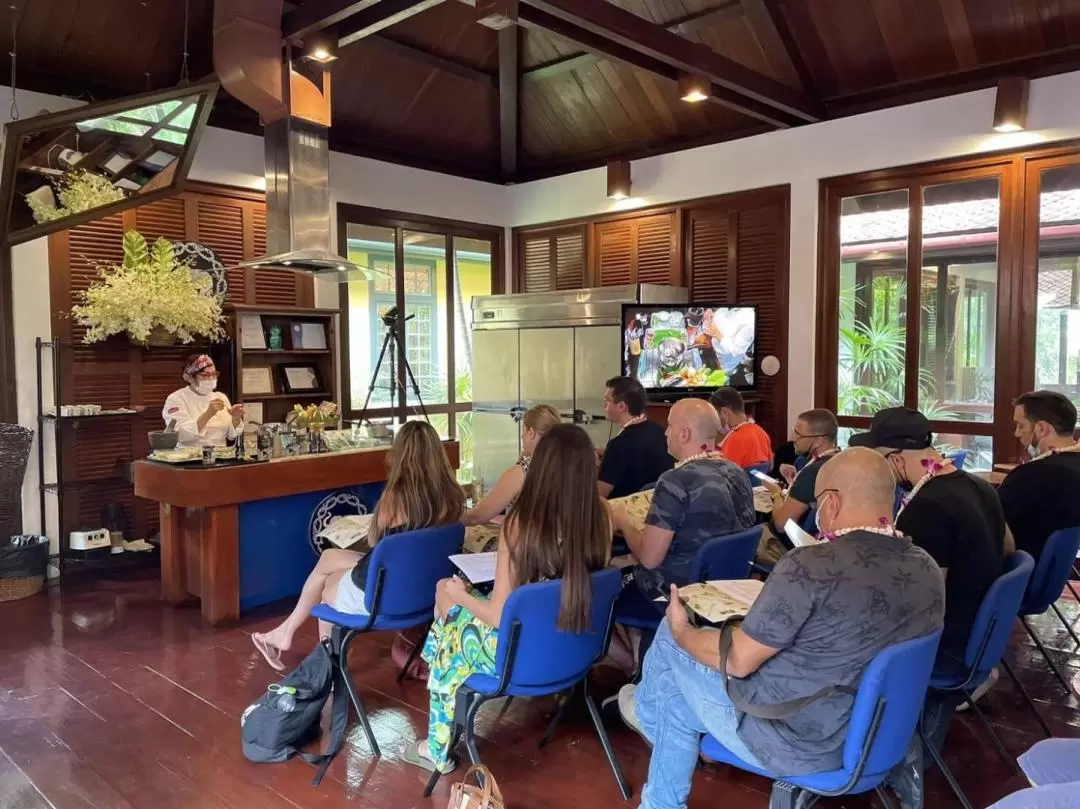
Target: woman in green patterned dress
point(559, 528)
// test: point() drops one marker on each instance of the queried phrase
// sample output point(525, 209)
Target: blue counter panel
point(276, 550)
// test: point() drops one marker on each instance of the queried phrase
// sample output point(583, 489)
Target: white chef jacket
point(185, 406)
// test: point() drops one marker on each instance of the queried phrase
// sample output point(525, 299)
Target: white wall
point(931, 130)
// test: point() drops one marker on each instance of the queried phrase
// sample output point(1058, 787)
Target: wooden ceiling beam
point(530, 17)
point(435, 60)
point(318, 15)
point(620, 33)
point(509, 109)
point(768, 24)
point(681, 26)
point(372, 20)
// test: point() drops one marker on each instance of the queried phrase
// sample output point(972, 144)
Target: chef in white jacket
point(203, 415)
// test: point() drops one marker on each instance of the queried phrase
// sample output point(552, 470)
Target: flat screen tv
point(689, 348)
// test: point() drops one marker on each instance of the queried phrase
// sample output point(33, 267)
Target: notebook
point(478, 568)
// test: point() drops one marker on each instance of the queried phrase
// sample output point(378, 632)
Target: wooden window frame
point(450, 229)
point(1019, 172)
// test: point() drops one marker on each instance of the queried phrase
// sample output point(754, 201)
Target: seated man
point(744, 442)
point(638, 455)
point(703, 497)
point(824, 613)
point(1040, 497)
point(814, 437)
point(954, 516)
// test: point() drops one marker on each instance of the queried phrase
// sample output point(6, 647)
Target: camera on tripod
point(390, 317)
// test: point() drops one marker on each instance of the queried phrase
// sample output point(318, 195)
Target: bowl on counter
point(159, 439)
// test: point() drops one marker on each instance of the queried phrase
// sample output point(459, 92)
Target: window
point(428, 271)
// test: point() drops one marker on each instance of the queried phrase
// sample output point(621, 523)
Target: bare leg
point(333, 561)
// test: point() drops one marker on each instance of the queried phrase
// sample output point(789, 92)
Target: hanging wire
point(14, 109)
point(184, 63)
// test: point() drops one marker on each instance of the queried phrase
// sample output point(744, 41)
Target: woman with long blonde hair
point(534, 426)
point(421, 492)
point(559, 528)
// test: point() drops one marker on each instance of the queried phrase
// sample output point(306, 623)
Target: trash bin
point(24, 561)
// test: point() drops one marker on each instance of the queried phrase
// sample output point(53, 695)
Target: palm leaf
point(135, 252)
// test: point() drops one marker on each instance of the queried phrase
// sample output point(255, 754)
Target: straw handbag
point(464, 795)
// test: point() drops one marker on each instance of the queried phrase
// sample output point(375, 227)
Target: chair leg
point(433, 779)
point(594, 714)
point(558, 717)
point(354, 695)
point(1046, 655)
point(418, 647)
point(975, 709)
point(473, 701)
point(1071, 631)
point(959, 793)
point(1072, 589)
point(883, 796)
point(783, 796)
point(1027, 698)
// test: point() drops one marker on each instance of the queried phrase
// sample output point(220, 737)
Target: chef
point(203, 415)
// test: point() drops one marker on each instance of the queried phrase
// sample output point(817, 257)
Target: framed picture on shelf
point(308, 336)
point(300, 378)
point(256, 381)
point(253, 412)
point(252, 336)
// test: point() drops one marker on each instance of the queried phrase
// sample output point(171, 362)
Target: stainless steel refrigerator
point(554, 348)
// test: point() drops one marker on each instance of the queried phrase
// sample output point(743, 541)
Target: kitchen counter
point(239, 535)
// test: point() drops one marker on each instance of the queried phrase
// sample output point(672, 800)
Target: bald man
point(704, 496)
point(824, 613)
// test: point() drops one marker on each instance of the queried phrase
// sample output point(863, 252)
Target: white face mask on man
point(204, 387)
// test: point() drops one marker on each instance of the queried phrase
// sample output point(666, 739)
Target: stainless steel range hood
point(298, 203)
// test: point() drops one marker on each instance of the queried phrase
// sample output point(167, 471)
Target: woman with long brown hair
point(558, 528)
point(421, 492)
point(534, 426)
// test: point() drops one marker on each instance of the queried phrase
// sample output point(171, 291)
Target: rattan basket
point(14, 589)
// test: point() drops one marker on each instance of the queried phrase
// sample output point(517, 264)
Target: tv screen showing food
point(689, 348)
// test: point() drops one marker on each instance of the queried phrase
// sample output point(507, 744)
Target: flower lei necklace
point(886, 528)
point(705, 454)
point(632, 422)
point(932, 469)
point(1056, 451)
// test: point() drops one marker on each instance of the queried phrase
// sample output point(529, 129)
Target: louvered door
point(636, 250)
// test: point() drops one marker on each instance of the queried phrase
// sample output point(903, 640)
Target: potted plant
point(153, 297)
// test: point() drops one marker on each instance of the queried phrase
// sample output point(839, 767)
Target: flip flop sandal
point(273, 660)
point(412, 756)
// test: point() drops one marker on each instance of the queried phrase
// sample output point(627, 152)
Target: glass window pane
point(873, 301)
point(1057, 328)
point(472, 277)
point(979, 449)
point(464, 424)
point(372, 248)
point(426, 328)
point(958, 300)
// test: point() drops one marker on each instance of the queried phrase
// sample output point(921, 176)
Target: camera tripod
point(390, 320)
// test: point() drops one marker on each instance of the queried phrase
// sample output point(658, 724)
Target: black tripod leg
point(375, 373)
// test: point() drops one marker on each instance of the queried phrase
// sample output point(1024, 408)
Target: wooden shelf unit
point(277, 404)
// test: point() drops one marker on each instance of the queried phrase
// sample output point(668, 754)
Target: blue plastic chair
point(534, 658)
point(883, 719)
point(1047, 581)
point(399, 594)
point(985, 649)
point(726, 557)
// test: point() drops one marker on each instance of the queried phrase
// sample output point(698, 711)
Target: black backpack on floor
point(286, 717)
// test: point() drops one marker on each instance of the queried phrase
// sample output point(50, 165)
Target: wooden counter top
point(195, 486)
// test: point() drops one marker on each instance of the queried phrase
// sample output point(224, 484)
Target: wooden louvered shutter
point(708, 258)
point(551, 259)
point(636, 250)
point(219, 224)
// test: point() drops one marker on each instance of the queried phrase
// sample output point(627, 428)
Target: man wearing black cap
point(954, 516)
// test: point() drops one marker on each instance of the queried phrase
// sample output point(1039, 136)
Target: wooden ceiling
point(575, 82)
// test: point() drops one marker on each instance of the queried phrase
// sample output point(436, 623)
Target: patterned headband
point(197, 365)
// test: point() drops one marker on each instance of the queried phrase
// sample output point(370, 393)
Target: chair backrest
point(15, 443)
point(412, 563)
point(887, 706)
point(763, 468)
point(544, 656)
point(997, 613)
point(1052, 571)
point(726, 557)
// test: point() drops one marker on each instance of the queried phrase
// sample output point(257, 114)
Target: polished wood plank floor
point(111, 700)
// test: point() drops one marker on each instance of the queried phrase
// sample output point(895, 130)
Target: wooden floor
point(109, 699)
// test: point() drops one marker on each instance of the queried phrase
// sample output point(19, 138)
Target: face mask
point(1033, 450)
point(901, 481)
point(204, 387)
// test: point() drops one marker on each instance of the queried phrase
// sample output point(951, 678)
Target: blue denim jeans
point(678, 701)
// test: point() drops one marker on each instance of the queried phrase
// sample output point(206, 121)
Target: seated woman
point(558, 528)
point(534, 426)
point(421, 492)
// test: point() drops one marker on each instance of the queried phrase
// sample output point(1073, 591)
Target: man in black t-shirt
point(1043, 495)
point(954, 516)
point(638, 455)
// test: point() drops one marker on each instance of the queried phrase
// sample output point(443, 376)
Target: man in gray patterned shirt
point(824, 613)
